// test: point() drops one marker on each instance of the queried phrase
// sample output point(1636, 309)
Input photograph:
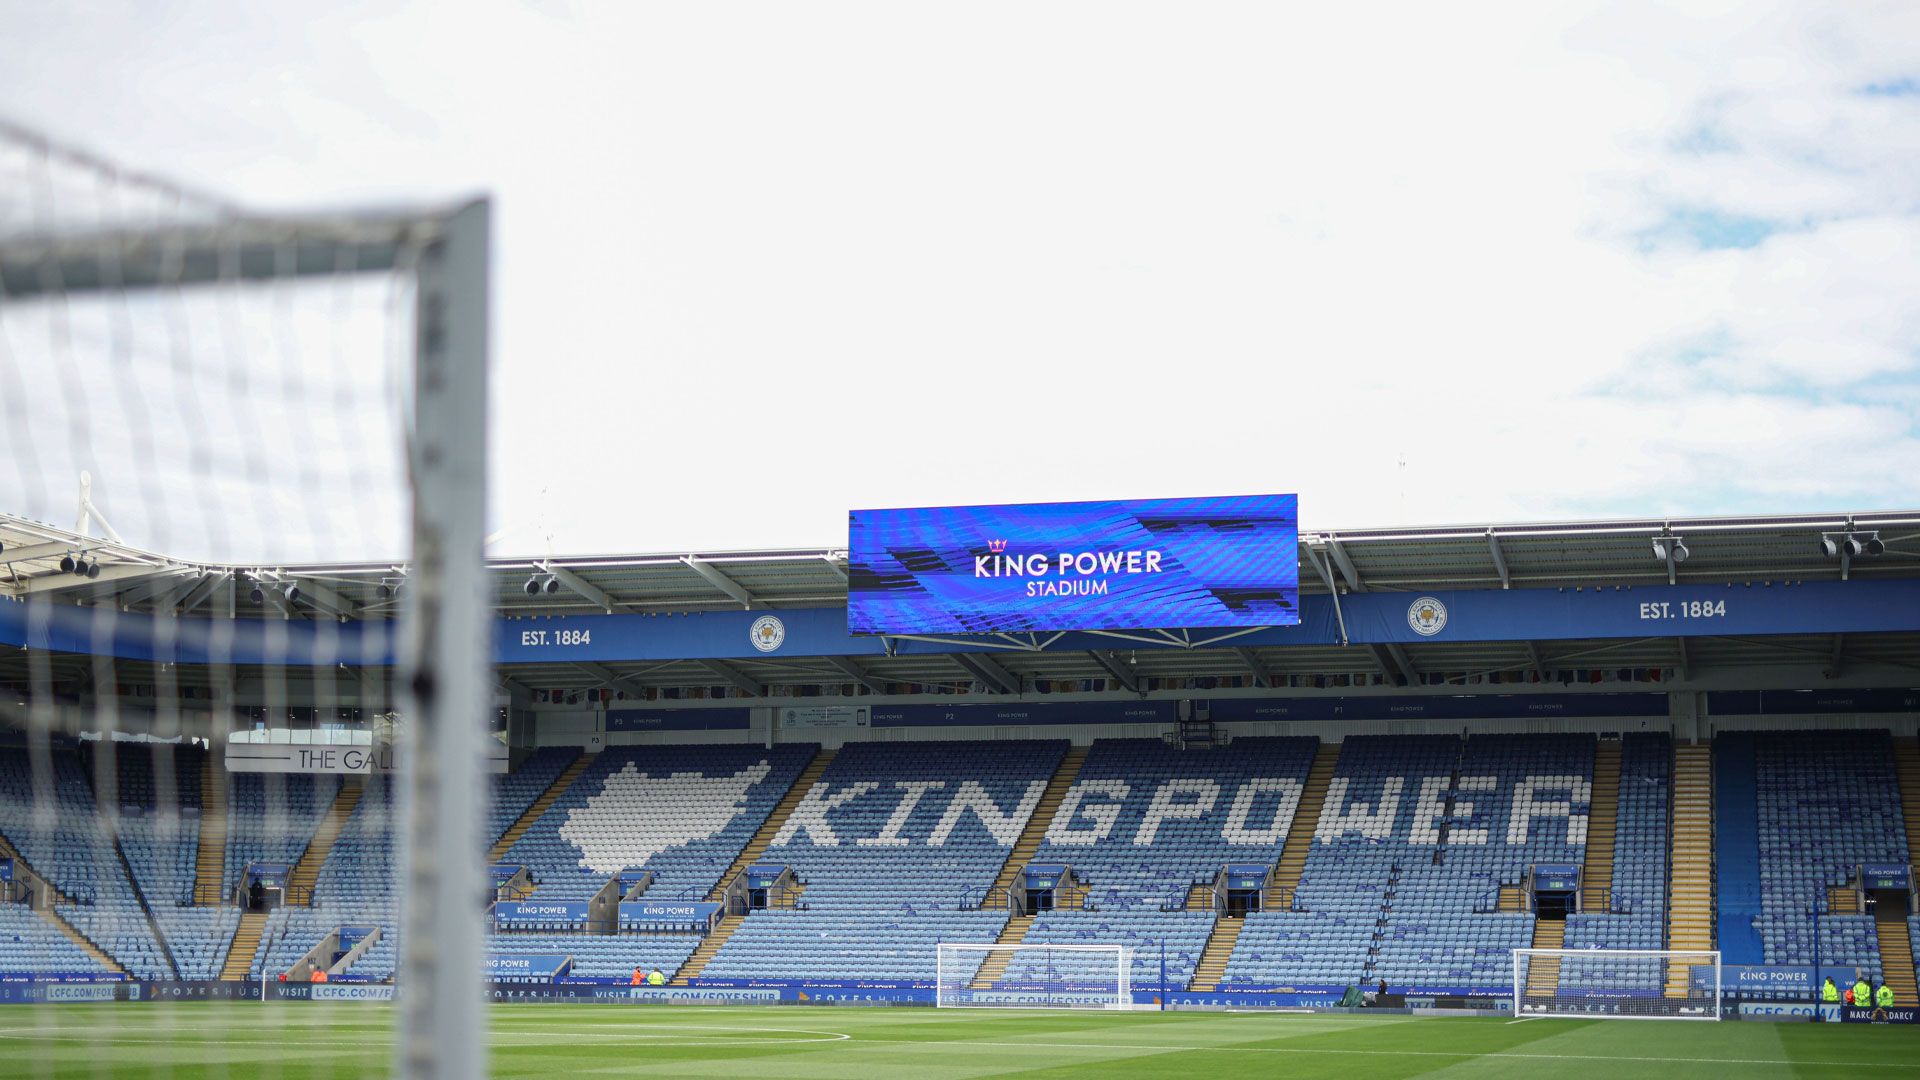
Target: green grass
point(243, 1040)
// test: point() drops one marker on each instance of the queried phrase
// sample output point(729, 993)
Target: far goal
point(1035, 976)
point(1628, 984)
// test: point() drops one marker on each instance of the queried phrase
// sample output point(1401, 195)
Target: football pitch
point(240, 1041)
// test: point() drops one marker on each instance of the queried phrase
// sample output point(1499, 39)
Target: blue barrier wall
point(1736, 847)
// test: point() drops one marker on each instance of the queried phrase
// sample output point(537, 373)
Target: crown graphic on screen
point(996, 545)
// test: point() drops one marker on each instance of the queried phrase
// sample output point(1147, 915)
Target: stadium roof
point(1755, 549)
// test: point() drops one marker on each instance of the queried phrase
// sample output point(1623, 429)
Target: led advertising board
point(1136, 564)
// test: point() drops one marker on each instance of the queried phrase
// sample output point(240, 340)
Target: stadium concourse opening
point(1471, 777)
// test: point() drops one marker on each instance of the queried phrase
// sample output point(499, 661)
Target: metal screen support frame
point(444, 660)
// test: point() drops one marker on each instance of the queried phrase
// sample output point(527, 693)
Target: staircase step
point(1690, 870)
point(1034, 833)
point(96, 952)
point(210, 870)
point(246, 941)
point(1285, 880)
point(1596, 872)
point(300, 880)
point(540, 806)
point(1219, 949)
point(770, 828)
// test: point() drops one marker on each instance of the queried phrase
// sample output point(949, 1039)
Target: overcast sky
point(760, 264)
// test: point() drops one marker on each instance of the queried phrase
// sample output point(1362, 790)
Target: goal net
point(1650, 984)
point(1035, 976)
point(244, 695)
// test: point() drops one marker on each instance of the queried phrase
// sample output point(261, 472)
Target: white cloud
point(760, 265)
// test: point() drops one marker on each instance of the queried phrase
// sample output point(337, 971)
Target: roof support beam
point(1393, 660)
point(721, 581)
point(606, 676)
point(1839, 656)
point(518, 695)
point(734, 677)
point(161, 583)
point(1261, 677)
point(1686, 662)
point(54, 583)
point(324, 598)
point(1333, 590)
point(199, 593)
point(1499, 559)
point(846, 666)
point(1112, 665)
point(988, 670)
point(1347, 569)
point(581, 586)
point(35, 552)
point(1539, 664)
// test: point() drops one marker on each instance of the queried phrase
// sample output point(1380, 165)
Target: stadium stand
point(1147, 822)
point(354, 886)
point(271, 818)
point(894, 843)
point(516, 792)
point(1828, 801)
point(73, 847)
point(1634, 917)
point(682, 812)
point(1419, 837)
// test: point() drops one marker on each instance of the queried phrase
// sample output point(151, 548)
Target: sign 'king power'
point(1137, 564)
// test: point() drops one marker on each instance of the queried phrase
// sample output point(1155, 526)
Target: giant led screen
point(1134, 564)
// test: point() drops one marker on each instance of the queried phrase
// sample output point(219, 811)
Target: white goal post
point(1625, 984)
point(1026, 976)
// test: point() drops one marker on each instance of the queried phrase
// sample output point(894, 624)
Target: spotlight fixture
point(1851, 544)
point(66, 564)
point(384, 591)
point(533, 585)
point(257, 595)
point(93, 568)
point(293, 593)
point(552, 585)
point(1680, 551)
point(1660, 548)
point(1670, 548)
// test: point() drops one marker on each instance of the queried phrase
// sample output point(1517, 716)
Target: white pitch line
point(1462, 1054)
point(1524, 1019)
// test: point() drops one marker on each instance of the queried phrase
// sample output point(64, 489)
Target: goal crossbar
point(1034, 976)
point(1639, 984)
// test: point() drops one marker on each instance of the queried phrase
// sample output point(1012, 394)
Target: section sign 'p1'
point(1135, 564)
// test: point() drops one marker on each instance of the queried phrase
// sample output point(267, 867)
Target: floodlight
point(1828, 547)
point(1875, 545)
point(256, 595)
point(552, 585)
point(293, 593)
point(1680, 551)
point(93, 569)
point(66, 564)
point(1660, 548)
point(533, 586)
point(1852, 546)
